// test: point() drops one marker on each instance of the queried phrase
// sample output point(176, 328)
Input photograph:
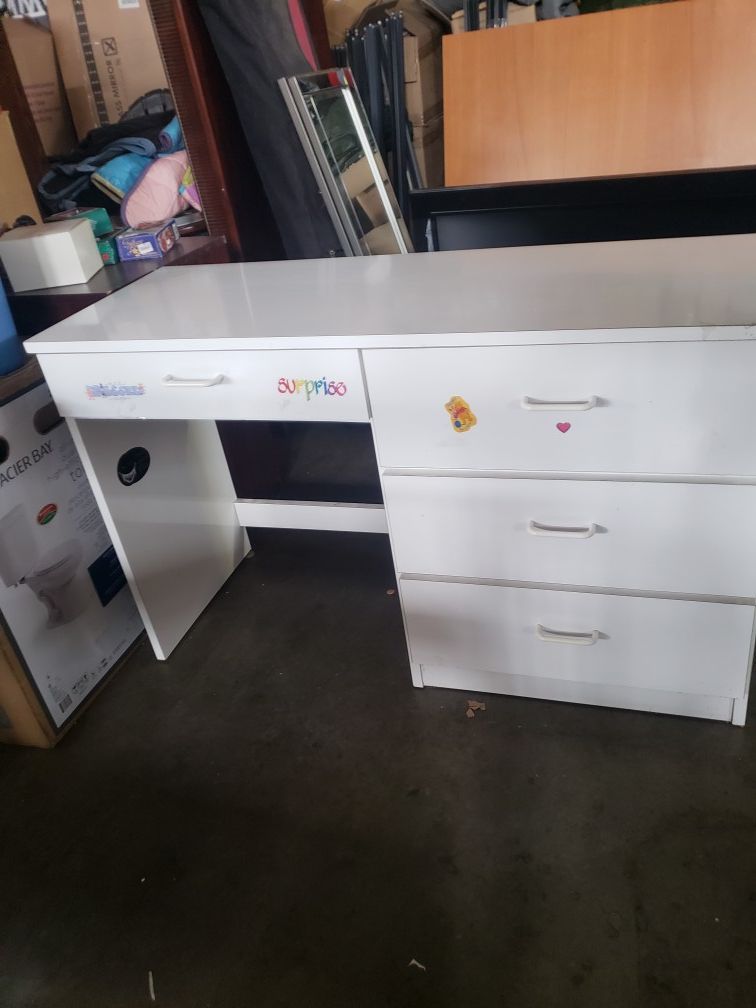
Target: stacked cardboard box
point(16, 195)
point(108, 56)
point(340, 15)
point(33, 49)
point(424, 88)
point(106, 53)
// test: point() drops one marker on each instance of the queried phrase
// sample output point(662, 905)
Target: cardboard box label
point(27, 8)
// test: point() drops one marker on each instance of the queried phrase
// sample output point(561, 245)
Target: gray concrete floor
point(274, 817)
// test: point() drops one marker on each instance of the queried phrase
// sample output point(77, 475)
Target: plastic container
point(12, 353)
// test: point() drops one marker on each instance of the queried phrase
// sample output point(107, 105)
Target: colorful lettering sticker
point(311, 387)
point(113, 390)
point(461, 416)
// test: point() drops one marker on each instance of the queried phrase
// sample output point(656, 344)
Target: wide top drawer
point(230, 385)
point(609, 408)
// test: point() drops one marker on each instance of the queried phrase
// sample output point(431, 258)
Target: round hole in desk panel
point(132, 466)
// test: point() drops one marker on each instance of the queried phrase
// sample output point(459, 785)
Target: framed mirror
point(331, 123)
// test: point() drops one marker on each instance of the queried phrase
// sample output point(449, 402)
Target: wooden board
point(16, 194)
point(669, 87)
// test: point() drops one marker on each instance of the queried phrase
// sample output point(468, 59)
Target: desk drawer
point(641, 407)
point(205, 385)
point(673, 537)
point(663, 644)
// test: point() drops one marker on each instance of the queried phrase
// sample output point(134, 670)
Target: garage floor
point(274, 818)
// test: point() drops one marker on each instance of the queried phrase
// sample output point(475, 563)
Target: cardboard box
point(423, 71)
point(67, 613)
point(357, 177)
point(102, 228)
point(381, 240)
point(16, 195)
point(360, 187)
point(50, 255)
point(516, 15)
point(31, 44)
point(108, 56)
point(97, 216)
point(107, 246)
point(371, 206)
point(340, 15)
point(428, 144)
point(147, 242)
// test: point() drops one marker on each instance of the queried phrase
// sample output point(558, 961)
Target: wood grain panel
point(670, 87)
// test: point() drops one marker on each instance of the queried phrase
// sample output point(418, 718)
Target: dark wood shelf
point(36, 310)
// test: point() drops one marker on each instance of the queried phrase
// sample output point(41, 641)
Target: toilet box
point(56, 254)
point(67, 614)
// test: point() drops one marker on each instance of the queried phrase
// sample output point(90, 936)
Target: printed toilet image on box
point(63, 595)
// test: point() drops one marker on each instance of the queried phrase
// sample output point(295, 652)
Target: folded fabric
point(156, 195)
point(61, 187)
point(189, 190)
point(117, 177)
point(171, 138)
point(146, 128)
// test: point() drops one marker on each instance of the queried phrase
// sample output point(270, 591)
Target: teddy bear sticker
point(461, 416)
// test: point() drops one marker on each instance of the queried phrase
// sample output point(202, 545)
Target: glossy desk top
point(676, 288)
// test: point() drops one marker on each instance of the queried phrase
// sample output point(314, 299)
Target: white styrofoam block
point(50, 255)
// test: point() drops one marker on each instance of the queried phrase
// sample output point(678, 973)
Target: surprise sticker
point(311, 387)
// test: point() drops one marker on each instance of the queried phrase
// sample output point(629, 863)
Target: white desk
point(590, 537)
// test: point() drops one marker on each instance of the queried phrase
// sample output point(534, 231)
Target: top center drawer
point(663, 408)
point(214, 385)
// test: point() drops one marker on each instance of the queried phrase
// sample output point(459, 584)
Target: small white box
point(50, 255)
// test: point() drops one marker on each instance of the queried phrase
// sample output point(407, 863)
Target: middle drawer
point(672, 537)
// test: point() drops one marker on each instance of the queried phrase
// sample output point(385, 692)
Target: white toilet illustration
point(55, 577)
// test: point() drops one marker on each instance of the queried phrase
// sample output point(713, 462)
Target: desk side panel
point(174, 527)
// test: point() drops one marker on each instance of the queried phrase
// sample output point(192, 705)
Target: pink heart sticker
point(563, 427)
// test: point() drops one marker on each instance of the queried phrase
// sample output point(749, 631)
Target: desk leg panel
point(174, 526)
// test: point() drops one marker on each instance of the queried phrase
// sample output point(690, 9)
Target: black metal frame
point(584, 210)
point(374, 51)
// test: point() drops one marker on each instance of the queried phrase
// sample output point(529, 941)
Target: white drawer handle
point(192, 382)
point(528, 402)
point(563, 531)
point(565, 636)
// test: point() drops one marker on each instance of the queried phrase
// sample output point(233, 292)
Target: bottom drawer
point(623, 641)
